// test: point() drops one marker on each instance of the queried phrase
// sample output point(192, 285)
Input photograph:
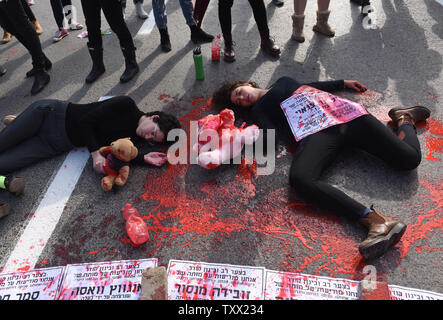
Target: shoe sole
point(379, 247)
point(17, 186)
point(419, 113)
point(4, 210)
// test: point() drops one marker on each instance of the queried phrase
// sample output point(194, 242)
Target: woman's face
point(245, 95)
point(149, 130)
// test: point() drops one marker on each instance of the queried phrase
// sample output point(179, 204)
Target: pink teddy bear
point(219, 139)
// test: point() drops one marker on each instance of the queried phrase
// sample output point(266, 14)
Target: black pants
point(258, 9)
point(37, 133)
point(112, 10)
point(366, 133)
point(13, 18)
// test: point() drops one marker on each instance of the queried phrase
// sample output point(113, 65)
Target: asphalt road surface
point(231, 214)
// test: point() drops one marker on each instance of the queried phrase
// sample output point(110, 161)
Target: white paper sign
point(188, 280)
point(297, 286)
point(310, 110)
point(112, 280)
point(38, 284)
point(402, 293)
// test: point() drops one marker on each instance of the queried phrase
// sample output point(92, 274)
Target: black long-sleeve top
point(97, 124)
point(267, 113)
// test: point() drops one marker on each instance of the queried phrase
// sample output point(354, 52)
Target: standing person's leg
point(224, 16)
point(114, 16)
point(38, 28)
point(15, 20)
point(141, 13)
point(267, 43)
point(57, 10)
point(323, 13)
point(161, 20)
point(197, 34)
point(70, 13)
point(92, 13)
point(199, 11)
point(298, 20)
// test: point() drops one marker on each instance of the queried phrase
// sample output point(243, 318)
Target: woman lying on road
point(316, 151)
point(50, 127)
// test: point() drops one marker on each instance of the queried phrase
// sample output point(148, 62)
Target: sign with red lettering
point(188, 280)
point(310, 110)
point(112, 280)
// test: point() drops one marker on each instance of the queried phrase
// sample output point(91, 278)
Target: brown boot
point(4, 209)
point(384, 232)
point(322, 25)
point(8, 119)
point(412, 115)
point(298, 22)
point(38, 28)
point(6, 37)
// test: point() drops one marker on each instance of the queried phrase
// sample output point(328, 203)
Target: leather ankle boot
point(384, 232)
point(4, 209)
point(412, 115)
point(131, 65)
point(98, 68)
point(38, 28)
point(229, 54)
point(298, 22)
point(268, 45)
point(199, 36)
point(2, 70)
point(15, 185)
point(6, 36)
point(41, 79)
point(165, 42)
point(322, 25)
point(48, 66)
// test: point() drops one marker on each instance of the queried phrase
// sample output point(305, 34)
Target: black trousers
point(258, 9)
point(37, 133)
point(316, 152)
point(14, 19)
point(112, 10)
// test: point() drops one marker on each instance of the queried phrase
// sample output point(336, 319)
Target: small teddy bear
point(118, 155)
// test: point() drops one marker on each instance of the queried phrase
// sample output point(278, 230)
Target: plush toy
point(228, 142)
point(118, 155)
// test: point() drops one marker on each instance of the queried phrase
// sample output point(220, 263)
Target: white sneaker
point(74, 25)
point(140, 11)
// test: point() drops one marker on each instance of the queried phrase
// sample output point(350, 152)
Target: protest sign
point(112, 280)
point(38, 284)
point(402, 293)
point(188, 280)
point(296, 286)
point(310, 110)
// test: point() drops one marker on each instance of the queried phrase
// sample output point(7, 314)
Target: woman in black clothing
point(316, 151)
point(112, 10)
point(50, 127)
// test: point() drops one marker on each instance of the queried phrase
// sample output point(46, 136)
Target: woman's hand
point(98, 162)
point(355, 85)
point(156, 158)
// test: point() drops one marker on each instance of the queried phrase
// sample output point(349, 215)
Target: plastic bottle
point(198, 62)
point(135, 226)
point(216, 48)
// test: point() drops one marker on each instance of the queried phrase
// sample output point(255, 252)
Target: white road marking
point(440, 1)
point(38, 231)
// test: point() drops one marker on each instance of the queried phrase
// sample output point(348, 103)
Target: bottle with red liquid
point(216, 44)
point(136, 227)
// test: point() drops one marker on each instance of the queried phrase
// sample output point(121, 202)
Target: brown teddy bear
point(118, 155)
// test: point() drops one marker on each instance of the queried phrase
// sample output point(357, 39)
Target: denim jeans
point(161, 20)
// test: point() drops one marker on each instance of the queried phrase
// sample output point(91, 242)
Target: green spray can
point(198, 62)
